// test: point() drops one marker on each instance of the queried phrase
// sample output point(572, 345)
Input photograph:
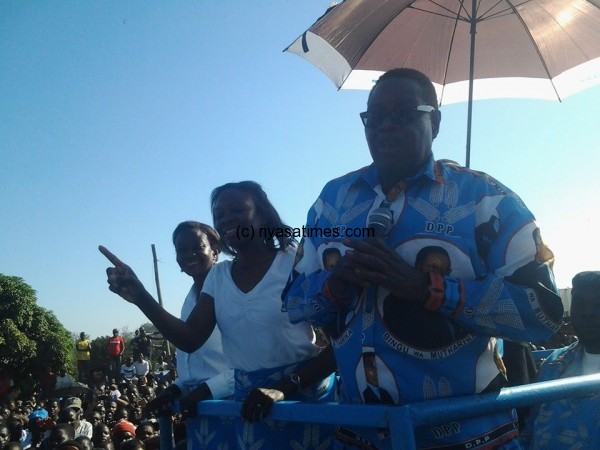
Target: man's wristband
point(436, 292)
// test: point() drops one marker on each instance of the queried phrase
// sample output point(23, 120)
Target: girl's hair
point(272, 221)
point(213, 237)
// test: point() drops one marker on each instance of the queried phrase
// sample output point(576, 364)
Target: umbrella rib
point(505, 12)
point(456, 19)
point(454, 15)
point(483, 17)
point(535, 46)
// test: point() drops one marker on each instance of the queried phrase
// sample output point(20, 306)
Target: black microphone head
point(381, 221)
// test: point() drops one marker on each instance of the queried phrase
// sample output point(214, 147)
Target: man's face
point(4, 435)
point(585, 316)
point(57, 437)
point(96, 418)
point(400, 150)
point(101, 433)
point(145, 432)
point(68, 415)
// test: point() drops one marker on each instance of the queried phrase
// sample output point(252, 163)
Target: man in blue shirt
point(426, 334)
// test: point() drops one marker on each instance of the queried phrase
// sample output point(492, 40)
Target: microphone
point(381, 221)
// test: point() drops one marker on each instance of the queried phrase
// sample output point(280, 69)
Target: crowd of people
point(97, 407)
point(440, 300)
point(104, 413)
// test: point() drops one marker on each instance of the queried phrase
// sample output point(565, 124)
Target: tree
point(31, 337)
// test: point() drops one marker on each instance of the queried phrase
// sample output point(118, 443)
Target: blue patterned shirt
point(500, 284)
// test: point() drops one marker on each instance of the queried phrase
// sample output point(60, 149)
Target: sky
point(117, 119)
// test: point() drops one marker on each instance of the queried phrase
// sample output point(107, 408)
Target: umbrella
point(478, 49)
point(72, 390)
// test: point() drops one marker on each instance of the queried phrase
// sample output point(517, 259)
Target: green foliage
point(99, 357)
point(31, 337)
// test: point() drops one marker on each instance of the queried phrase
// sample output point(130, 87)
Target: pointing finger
point(112, 258)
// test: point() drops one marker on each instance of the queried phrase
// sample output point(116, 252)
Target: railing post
point(401, 429)
point(165, 426)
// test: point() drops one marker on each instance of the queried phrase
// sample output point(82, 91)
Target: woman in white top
point(273, 359)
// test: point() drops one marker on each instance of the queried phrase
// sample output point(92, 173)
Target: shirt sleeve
point(208, 287)
point(517, 297)
point(221, 385)
point(303, 297)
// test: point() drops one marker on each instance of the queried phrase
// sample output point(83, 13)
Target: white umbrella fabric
point(471, 49)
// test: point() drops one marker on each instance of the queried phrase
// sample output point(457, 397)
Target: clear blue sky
point(117, 119)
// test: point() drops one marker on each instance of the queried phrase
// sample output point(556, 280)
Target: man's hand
point(259, 402)
point(372, 262)
point(188, 401)
point(121, 279)
point(162, 403)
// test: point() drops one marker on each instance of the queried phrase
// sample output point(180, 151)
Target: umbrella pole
point(471, 77)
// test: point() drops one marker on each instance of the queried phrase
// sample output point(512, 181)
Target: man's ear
point(436, 118)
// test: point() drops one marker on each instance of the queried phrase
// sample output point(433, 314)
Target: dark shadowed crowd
point(109, 408)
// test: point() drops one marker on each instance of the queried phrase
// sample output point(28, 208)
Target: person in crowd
point(133, 444)
point(376, 302)
point(53, 408)
point(145, 430)
point(4, 434)
point(95, 417)
point(571, 422)
point(137, 413)
point(122, 431)
point(134, 343)
point(86, 442)
point(18, 432)
point(142, 365)
point(83, 348)
point(97, 378)
point(47, 382)
point(100, 434)
point(71, 414)
point(128, 371)
point(243, 296)
point(115, 349)
point(145, 344)
point(62, 432)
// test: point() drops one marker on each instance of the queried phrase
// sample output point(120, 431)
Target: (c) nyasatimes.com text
point(304, 232)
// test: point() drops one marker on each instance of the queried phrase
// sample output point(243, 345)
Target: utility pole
point(158, 289)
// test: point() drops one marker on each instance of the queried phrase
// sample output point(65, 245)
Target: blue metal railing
point(401, 420)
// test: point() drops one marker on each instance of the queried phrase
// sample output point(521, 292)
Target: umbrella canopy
point(470, 49)
point(72, 390)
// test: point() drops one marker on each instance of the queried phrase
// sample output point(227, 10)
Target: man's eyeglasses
point(399, 117)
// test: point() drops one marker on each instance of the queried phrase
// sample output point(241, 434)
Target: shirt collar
point(371, 176)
